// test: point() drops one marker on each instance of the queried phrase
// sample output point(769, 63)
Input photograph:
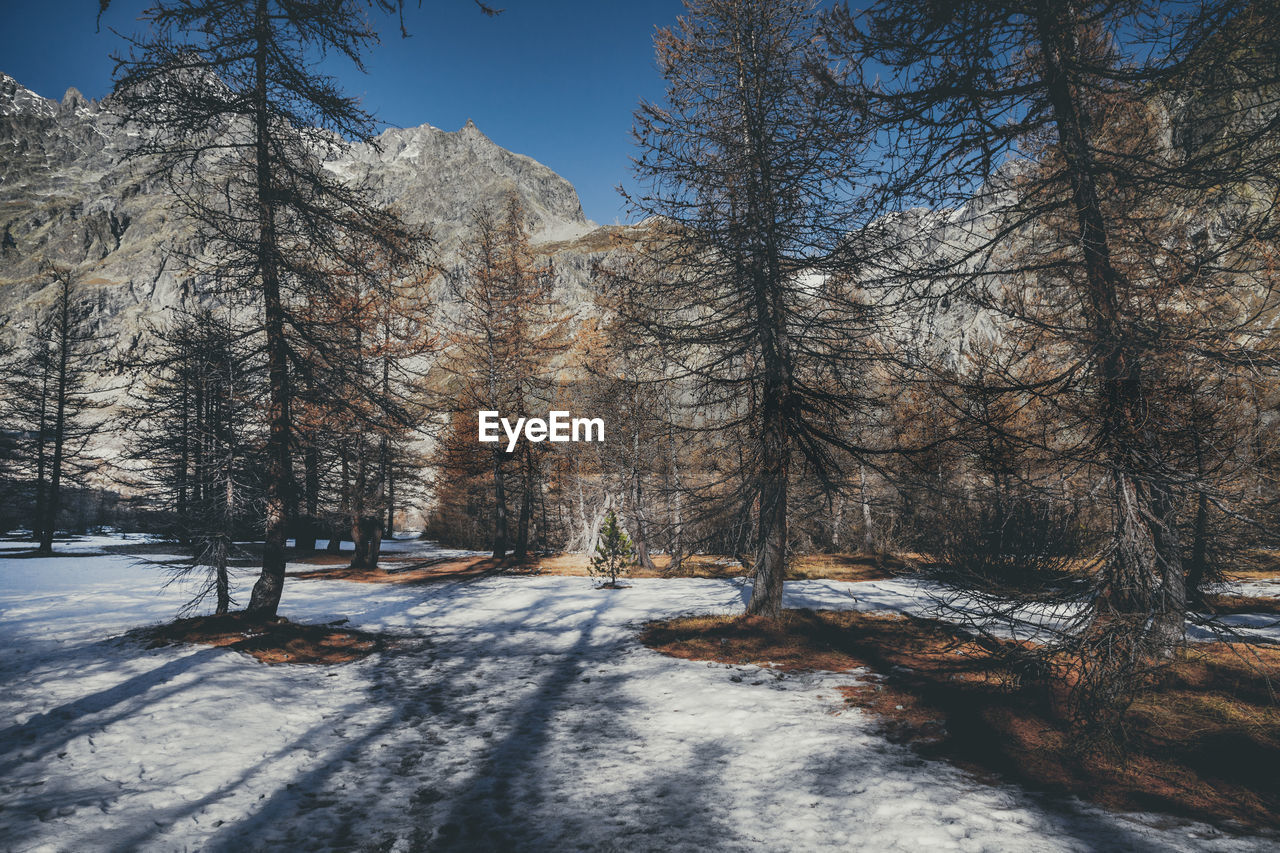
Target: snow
point(517, 713)
point(91, 544)
point(404, 547)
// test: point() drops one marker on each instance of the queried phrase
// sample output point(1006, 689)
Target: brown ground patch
point(848, 567)
point(1227, 604)
point(408, 572)
point(1256, 566)
point(844, 567)
point(1204, 744)
point(273, 641)
point(693, 566)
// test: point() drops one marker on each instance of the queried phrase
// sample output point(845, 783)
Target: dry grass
point(1204, 744)
point(270, 641)
point(406, 571)
point(694, 566)
point(848, 567)
point(1257, 566)
point(1222, 605)
point(844, 567)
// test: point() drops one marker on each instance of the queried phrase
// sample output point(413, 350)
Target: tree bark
point(868, 530)
point(499, 510)
point(526, 509)
point(771, 548)
point(307, 532)
point(265, 599)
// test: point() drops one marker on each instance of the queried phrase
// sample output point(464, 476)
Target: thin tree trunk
point(360, 528)
point(308, 528)
point(42, 488)
point(390, 526)
point(334, 545)
point(837, 522)
point(640, 538)
point(642, 529)
point(221, 582)
point(499, 509)
point(184, 455)
point(265, 599)
point(868, 530)
point(526, 510)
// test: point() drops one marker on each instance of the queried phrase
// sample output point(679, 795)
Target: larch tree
point(53, 400)
point(1077, 227)
point(194, 429)
point(501, 355)
point(239, 120)
point(752, 170)
point(367, 373)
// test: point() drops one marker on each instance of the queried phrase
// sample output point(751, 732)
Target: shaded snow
point(518, 713)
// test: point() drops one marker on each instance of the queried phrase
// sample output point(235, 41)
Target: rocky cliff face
point(441, 179)
point(70, 193)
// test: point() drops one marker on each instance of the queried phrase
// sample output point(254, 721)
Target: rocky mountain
point(70, 193)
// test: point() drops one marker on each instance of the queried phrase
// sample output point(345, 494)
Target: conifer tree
point(239, 121)
point(501, 356)
point(614, 551)
point(752, 171)
point(52, 399)
point(194, 428)
point(1088, 241)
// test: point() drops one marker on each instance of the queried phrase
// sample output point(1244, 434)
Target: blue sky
point(557, 80)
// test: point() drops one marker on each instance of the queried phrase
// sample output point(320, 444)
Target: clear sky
point(557, 80)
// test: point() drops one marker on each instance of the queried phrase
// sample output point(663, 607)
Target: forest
point(976, 295)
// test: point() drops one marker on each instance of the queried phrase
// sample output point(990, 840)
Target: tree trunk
point(184, 455)
point(222, 583)
point(640, 537)
point(771, 548)
point(499, 510)
point(390, 526)
point(1197, 570)
point(42, 488)
point(868, 531)
point(526, 510)
point(366, 536)
point(837, 522)
point(1145, 578)
point(360, 528)
point(336, 531)
point(308, 527)
point(265, 599)
point(676, 510)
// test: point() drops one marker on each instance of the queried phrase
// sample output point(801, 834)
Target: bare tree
point(53, 400)
point(1076, 228)
point(752, 170)
point(501, 354)
point(194, 428)
point(239, 121)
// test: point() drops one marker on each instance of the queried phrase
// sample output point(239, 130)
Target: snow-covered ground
point(517, 714)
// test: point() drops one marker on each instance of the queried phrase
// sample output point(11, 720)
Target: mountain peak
point(16, 99)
